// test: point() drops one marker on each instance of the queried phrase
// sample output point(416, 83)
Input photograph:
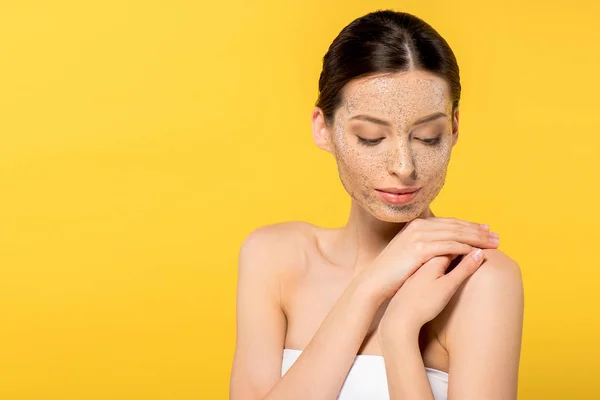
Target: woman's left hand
point(426, 293)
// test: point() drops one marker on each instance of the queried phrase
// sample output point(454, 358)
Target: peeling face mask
point(394, 131)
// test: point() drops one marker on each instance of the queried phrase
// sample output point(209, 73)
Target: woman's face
point(380, 141)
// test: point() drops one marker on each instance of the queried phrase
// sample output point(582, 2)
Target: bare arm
point(423, 296)
point(484, 332)
point(260, 322)
point(320, 370)
point(322, 367)
point(404, 367)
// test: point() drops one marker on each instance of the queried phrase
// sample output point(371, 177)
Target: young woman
point(398, 303)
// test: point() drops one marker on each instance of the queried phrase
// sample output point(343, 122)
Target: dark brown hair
point(384, 41)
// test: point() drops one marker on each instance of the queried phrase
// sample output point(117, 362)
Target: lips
point(399, 190)
point(403, 196)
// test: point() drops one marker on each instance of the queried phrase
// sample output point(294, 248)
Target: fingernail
point(494, 235)
point(478, 255)
point(485, 226)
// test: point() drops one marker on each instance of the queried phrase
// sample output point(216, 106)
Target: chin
point(386, 212)
point(396, 214)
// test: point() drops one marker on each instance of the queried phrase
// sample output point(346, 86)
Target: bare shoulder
point(260, 318)
point(274, 245)
point(498, 271)
point(497, 282)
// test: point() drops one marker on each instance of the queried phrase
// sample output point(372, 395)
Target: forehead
point(398, 95)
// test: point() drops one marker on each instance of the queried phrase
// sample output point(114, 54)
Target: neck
point(364, 237)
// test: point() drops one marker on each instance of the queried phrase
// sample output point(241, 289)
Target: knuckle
point(423, 251)
point(458, 230)
point(465, 224)
point(420, 246)
point(416, 223)
point(417, 236)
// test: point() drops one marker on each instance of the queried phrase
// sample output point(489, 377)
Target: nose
point(400, 161)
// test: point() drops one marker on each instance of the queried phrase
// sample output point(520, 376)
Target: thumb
point(463, 270)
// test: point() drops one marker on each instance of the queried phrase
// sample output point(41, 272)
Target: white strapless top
point(367, 378)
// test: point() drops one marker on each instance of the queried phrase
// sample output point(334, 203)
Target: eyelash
point(367, 142)
point(371, 143)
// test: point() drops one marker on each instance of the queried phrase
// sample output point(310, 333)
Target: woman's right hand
point(418, 242)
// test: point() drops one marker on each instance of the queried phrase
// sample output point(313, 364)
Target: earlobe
point(320, 131)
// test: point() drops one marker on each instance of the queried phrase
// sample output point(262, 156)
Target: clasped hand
point(410, 273)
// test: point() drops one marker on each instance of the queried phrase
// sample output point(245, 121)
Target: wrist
point(367, 291)
point(399, 333)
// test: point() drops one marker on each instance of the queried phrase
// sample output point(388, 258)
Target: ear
point(320, 131)
point(455, 127)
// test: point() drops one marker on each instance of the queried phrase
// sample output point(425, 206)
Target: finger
point(474, 237)
point(437, 265)
point(459, 222)
point(447, 247)
point(463, 270)
point(461, 227)
point(431, 269)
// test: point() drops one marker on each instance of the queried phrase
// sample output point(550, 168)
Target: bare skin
point(310, 289)
point(299, 285)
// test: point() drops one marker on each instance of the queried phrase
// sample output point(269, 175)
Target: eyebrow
point(378, 121)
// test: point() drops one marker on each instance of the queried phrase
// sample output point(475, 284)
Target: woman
point(398, 303)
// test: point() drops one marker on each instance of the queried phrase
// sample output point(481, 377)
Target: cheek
point(433, 161)
point(358, 169)
point(353, 165)
point(353, 161)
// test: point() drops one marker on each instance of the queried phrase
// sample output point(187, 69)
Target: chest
point(307, 298)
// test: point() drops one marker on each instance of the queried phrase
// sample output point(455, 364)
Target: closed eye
point(369, 142)
point(430, 141)
point(373, 142)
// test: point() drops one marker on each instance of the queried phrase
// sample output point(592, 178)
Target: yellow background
point(142, 140)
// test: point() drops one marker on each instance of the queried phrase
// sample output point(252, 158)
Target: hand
point(418, 242)
point(425, 293)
